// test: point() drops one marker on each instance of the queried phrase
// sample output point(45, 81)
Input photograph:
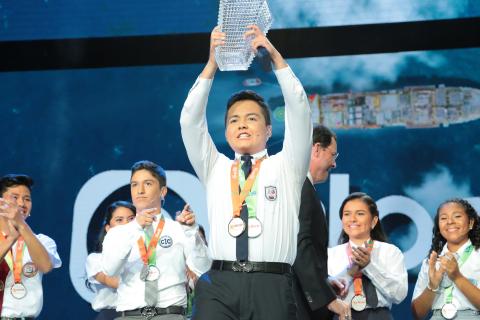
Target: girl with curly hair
point(449, 280)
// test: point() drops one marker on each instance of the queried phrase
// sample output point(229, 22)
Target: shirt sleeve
point(117, 246)
point(93, 266)
point(388, 274)
point(298, 123)
point(335, 255)
point(422, 280)
point(196, 253)
point(51, 247)
point(201, 150)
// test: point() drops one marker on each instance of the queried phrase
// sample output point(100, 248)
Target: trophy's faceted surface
point(233, 18)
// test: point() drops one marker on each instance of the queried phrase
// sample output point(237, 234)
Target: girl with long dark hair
point(374, 268)
point(449, 280)
point(105, 287)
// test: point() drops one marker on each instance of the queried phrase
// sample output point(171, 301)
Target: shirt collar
point(255, 156)
point(309, 176)
point(353, 245)
point(460, 250)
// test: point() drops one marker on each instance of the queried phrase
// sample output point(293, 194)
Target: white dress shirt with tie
point(279, 181)
point(179, 246)
point(386, 271)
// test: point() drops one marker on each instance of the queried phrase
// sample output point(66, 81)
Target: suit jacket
point(312, 290)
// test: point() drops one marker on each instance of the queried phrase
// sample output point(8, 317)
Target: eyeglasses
point(334, 154)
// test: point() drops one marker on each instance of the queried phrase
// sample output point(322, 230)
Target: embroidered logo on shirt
point(166, 241)
point(271, 193)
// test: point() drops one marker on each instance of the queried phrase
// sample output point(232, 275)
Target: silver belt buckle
point(242, 266)
point(149, 312)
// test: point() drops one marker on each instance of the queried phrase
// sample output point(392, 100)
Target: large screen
point(407, 125)
point(49, 19)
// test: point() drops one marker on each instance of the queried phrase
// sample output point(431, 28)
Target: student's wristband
point(433, 290)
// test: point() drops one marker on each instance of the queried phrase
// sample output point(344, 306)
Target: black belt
point(250, 266)
point(149, 312)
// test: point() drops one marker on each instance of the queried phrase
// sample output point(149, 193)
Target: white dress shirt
point(177, 247)
point(279, 181)
point(470, 270)
point(32, 303)
point(386, 270)
point(105, 297)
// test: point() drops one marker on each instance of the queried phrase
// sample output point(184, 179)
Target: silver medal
point(254, 227)
point(359, 302)
point(153, 273)
point(449, 311)
point(18, 290)
point(236, 227)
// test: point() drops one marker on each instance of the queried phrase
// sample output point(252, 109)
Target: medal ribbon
point(149, 255)
point(16, 266)
point(251, 200)
point(449, 291)
point(357, 277)
point(239, 198)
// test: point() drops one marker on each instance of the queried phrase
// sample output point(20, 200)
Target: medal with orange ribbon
point(359, 300)
point(150, 272)
point(237, 226)
point(18, 289)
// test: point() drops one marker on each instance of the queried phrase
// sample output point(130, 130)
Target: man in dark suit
point(316, 298)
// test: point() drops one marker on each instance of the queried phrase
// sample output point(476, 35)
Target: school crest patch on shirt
point(166, 241)
point(271, 193)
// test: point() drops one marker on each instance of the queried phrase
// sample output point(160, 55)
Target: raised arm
point(298, 124)
point(37, 251)
point(9, 237)
point(201, 150)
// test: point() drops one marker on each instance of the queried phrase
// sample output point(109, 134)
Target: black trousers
point(303, 308)
point(228, 295)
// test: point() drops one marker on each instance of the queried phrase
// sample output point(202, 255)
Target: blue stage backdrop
point(408, 124)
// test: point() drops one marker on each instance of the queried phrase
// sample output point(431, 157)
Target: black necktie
point(242, 240)
point(370, 292)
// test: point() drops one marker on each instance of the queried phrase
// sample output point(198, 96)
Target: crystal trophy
point(233, 18)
